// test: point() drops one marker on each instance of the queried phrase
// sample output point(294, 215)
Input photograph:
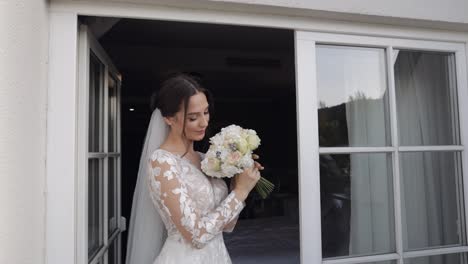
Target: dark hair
point(176, 91)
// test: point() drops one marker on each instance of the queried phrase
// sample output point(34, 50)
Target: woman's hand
point(246, 181)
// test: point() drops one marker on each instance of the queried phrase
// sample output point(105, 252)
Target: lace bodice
point(194, 208)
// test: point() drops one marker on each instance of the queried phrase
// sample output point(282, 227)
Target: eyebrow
point(195, 113)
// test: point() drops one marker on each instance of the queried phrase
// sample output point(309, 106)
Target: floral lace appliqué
point(180, 195)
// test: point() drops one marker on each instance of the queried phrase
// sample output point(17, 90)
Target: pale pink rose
point(234, 157)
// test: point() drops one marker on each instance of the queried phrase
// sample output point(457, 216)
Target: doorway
point(251, 72)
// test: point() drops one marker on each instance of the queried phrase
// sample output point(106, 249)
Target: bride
point(179, 213)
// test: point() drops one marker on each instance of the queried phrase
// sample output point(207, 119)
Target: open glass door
point(99, 221)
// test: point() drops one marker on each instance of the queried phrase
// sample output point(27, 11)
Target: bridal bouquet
point(230, 153)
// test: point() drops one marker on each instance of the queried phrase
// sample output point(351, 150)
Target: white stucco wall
point(438, 10)
point(23, 87)
point(451, 15)
point(23, 96)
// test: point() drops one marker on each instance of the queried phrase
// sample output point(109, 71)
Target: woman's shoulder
point(164, 156)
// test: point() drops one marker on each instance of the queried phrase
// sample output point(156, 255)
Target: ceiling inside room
point(235, 62)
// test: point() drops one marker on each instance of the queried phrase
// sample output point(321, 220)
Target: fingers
point(258, 166)
point(256, 173)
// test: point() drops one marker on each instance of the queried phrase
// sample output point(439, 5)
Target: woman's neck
point(177, 144)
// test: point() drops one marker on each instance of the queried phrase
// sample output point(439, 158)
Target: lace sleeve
point(174, 199)
point(221, 191)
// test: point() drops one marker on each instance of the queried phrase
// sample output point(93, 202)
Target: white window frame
point(63, 220)
point(307, 92)
point(87, 44)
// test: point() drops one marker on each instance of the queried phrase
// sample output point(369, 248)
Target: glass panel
point(95, 103)
point(432, 199)
point(356, 204)
point(112, 114)
point(112, 253)
point(426, 98)
point(95, 207)
point(112, 198)
point(440, 259)
point(381, 262)
point(353, 97)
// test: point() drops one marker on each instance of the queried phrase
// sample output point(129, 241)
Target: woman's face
point(196, 120)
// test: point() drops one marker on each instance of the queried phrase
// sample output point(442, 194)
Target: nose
point(204, 121)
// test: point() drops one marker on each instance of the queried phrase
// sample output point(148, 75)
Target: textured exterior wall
point(23, 98)
point(436, 10)
point(23, 90)
point(448, 15)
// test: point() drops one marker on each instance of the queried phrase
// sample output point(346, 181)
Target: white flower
point(242, 145)
point(246, 161)
point(230, 152)
point(253, 142)
point(233, 158)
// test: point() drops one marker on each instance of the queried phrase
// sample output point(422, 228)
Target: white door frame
point(62, 130)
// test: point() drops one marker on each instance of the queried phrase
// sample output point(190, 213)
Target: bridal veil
point(146, 232)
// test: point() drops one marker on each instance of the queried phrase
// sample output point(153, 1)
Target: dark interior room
point(251, 73)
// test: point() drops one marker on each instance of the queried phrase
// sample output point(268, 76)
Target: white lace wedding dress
point(195, 209)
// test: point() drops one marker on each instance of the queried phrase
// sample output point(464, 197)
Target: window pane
point(112, 195)
point(353, 97)
point(441, 259)
point(356, 204)
point(381, 262)
point(112, 253)
point(426, 98)
point(95, 103)
point(95, 207)
point(432, 199)
point(112, 114)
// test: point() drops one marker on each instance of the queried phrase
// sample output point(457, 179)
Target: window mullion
point(396, 157)
point(362, 259)
point(105, 91)
point(435, 252)
point(347, 150)
point(461, 58)
point(118, 171)
point(429, 148)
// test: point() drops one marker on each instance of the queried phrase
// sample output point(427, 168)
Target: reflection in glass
point(356, 204)
point(432, 199)
point(440, 259)
point(112, 199)
point(95, 207)
point(426, 97)
point(96, 69)
point(352, 96)
point(112, 119)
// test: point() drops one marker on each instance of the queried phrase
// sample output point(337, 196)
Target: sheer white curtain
point(372, 220)
point(426, 116)
point(356, 78)
point(432, 212)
